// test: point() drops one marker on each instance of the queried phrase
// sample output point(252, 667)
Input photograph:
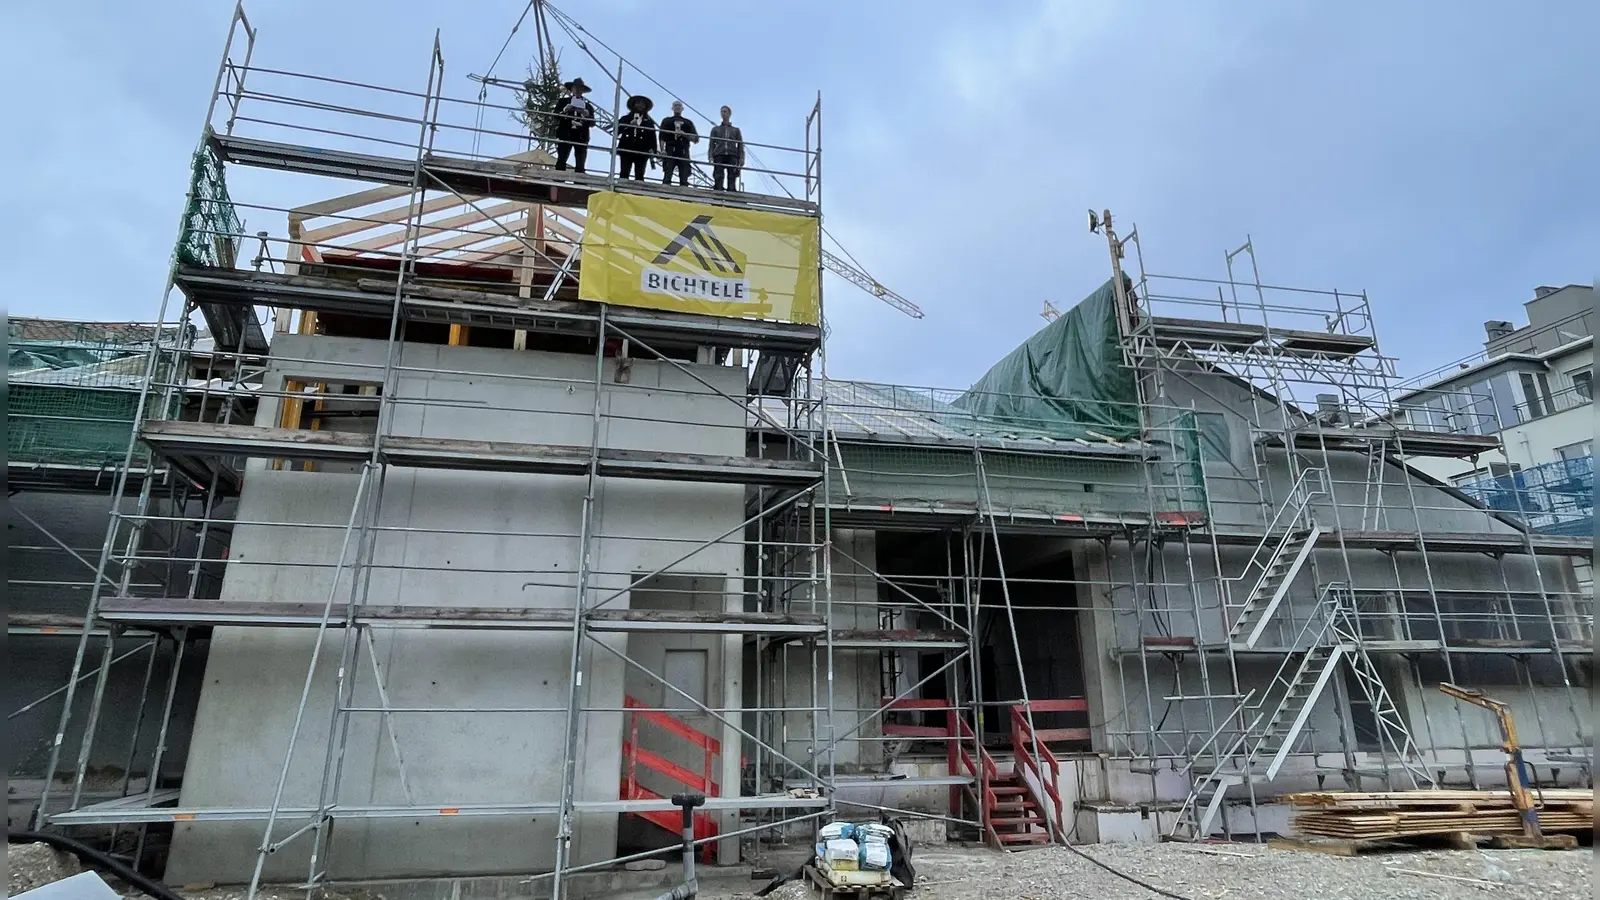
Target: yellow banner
point(691, 257)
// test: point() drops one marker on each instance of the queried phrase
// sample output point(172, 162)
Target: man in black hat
point(677, 133)
point(636, 137)
point(726, 153)
point(574, 116)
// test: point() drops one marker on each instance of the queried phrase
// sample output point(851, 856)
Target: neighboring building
point(1533, 387)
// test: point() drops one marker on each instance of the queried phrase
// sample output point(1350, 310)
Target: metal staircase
point(1276, 724)
point(1278, 559)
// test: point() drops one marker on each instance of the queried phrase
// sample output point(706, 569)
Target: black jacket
point(573, 124)
point(636, 133)
point(677, 133)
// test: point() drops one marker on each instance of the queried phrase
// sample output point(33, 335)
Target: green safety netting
point(69, 426)
point(211, 225)
point(1070, 376)
point(74, 402)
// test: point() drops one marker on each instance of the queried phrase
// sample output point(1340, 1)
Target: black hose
point(98, 860)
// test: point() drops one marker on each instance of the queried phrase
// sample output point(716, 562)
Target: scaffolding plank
point(65, 478)
point(375, 297)
point(184, 611)
point(1171, 330)
point(1412, 442)
point(508, 179)
point(180, 441)
point(1438, 541)
point(1321, 343)
point(908, 639)
point(122, 812)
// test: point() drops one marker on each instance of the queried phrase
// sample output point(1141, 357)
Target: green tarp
point(1069, 378)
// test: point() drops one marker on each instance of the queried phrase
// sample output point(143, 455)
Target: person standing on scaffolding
point(677, 133)
point(574, 116)
point(726, 153)
point(636, 137)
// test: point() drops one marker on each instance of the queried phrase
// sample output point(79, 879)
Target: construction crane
point(1049, 313)
point(848, 269)
point(1517, 779)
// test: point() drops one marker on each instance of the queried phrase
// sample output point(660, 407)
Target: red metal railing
point(704, 781)
point(1046, 769)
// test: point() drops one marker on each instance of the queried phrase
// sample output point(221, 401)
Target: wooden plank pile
point(1401, 814)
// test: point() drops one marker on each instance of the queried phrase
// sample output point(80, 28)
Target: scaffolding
point(889, 559)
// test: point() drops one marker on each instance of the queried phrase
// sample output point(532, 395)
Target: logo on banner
point(721, 275)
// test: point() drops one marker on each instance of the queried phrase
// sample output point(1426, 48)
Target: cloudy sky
point(1442, 156)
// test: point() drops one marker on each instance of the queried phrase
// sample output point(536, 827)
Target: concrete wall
point(527, 534)
point(44, 579)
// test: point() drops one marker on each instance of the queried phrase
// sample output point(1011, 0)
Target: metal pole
point(569, 750)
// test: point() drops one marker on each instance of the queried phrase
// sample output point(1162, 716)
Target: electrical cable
point(1125, 876)
point(98, 860)
point(483, 91)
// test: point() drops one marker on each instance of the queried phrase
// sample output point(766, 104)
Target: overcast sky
point(1442, 156)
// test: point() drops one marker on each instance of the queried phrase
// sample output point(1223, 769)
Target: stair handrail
point(1244, 703)
point(1248, 739)
point(1301, 494)
point(1023, 739)
point(983, 770)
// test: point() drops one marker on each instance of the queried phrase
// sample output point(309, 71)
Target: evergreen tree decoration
point(539, 95)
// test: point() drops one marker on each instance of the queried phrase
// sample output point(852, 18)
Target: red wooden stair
point(1018, 806)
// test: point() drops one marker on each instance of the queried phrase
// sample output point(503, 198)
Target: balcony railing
point(1558, 402)
point(1556, 497)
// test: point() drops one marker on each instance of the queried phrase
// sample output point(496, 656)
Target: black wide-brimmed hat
point(639, 100)
point(577, 84)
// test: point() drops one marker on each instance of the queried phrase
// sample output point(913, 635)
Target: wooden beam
point(390, 192)
point(378, 219)
point(452, 223)
point(467, 239)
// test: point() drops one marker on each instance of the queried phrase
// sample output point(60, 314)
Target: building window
point(1576, 451)
point(1536, 394)
point(1582, 383)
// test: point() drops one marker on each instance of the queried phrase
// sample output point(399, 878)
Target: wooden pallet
point(893, 890)
point(1406, 814)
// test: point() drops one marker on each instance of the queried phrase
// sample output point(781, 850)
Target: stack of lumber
point(1400, 814)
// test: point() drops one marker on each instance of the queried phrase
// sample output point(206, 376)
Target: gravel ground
point(1210, 872)
point(35, 865)
point(1246, 872)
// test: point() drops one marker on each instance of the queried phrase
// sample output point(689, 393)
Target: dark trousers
point(720, 171)
point(578, 152)
point(679, 164)
point(633, 162)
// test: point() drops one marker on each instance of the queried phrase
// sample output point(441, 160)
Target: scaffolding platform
point(898, 639)
point(66, 478)
point(135, 810)
point(1491, 542)
point(504, 178)
point(1410, 442)
point(1167, 331)
point(375, 297)
point(934, 516)
point(189, 612)
point(1400, 647)
point(191, 446)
